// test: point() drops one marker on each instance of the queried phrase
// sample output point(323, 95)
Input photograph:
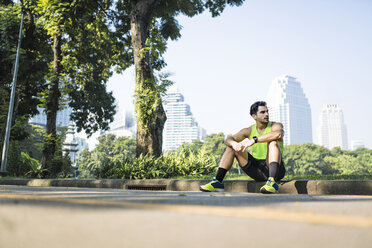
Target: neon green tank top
point(259, 150)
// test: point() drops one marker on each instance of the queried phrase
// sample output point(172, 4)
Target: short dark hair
point(254, 107)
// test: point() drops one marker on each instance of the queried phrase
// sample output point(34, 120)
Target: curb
point(310, 187)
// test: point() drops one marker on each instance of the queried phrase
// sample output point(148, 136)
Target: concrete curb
point(310, 187)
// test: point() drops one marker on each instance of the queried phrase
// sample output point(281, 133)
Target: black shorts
point(258, 170)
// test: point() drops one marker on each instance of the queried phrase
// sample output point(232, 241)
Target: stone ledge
point(311, 187)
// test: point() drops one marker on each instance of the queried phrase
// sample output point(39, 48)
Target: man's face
point(262, 114)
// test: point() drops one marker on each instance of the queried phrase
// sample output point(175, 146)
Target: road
point(79, 217)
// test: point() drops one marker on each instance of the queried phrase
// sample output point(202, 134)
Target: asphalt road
point(79, 217)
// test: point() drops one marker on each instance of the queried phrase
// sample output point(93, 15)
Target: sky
point(222, 65)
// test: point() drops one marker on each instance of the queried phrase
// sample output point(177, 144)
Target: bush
point(168, 165)
point(35, 170)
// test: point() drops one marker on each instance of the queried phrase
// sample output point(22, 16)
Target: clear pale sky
point(223, 64)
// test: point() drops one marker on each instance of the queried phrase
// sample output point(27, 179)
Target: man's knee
point(273, 144)
point(231, 150)
point(240, 156)
point(274, 153)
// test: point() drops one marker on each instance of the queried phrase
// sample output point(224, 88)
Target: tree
point(79, 72)
point(364, 155)
point(188, 148)
point(110, 148)
point(307, 159)
point(347, 165)
point(34, 53)
point(215, 146)
point(151, 23)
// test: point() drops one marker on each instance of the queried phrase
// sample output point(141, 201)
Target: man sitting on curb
point(264, 163)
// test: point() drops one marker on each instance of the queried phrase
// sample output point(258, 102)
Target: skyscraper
point(63, 118)
point(332, 129)
point(355, 144)
point(123, 125)
point(288, 104)
point(180, 126)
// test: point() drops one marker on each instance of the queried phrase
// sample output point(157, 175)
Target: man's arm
point(276, 133)
point(234, 140)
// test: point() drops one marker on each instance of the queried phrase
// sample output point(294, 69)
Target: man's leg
point(274, 158)
point(273, 161)
point(226, 163)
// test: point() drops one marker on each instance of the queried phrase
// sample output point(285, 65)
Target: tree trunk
point(52, 108)
point(148, 105)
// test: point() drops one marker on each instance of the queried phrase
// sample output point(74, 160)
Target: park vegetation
point(70, 49)
point(115, 157)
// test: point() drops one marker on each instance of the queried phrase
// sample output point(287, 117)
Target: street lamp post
point(11, 104)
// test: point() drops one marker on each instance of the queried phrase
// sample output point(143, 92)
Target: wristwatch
point(255, 139)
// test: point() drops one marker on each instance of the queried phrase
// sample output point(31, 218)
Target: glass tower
point(180, 126)
point(288, 104)
point(63, 118)
point(332, 129)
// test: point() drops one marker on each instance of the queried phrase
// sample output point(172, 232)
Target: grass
point(233, 176)
point(328, 177)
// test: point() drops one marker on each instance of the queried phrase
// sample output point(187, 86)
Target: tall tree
point(73, 73)
point(34, 53)
point(151, 24)
point(83, 55)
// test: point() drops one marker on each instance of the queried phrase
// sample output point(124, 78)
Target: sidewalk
point(311, 187)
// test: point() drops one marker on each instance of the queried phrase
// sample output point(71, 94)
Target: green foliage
point(152, 25)
point(14, 167)
point(193, 147)
point(114, 157)
point(307, 159)
point(213, 145)
point(310, 159)
point(110, 148)
point(168, 165)
point(30, 74)
point(35, 169)
point(146, 101)
point(59, 165)
point(85, 69)
point(33, 144)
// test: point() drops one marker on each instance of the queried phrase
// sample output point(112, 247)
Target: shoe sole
point(264, 191)
point(216, 190)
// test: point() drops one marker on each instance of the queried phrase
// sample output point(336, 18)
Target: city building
point(63, 118)
point(123, 125)
point(355, 144)
point(332, 129)
point(180, 126)
point(70, 145)
point(287, 103)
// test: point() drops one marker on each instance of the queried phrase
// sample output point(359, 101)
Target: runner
point(264, 162)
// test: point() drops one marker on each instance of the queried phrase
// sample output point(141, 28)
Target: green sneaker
point(213, 186)
point(270, 187)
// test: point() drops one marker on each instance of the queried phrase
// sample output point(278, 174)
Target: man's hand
point(237, 146)
point(247, 143)
point(241, 146)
